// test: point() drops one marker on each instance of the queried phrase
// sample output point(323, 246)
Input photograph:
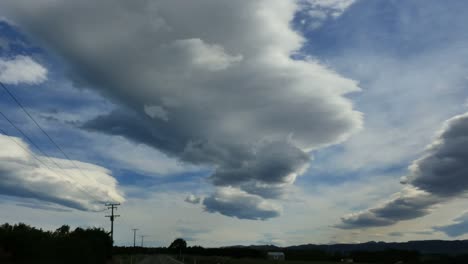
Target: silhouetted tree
point(179, 244)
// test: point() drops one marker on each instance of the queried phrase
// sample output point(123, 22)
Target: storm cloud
point(209, 82)
point(439, 175)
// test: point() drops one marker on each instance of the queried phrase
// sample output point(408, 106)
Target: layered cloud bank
point(26, 175)
point(209, 82)
point(439, 175)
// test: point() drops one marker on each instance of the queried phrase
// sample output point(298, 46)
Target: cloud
point(267, 169)
point(442, 170)
point(156, 111)
point(139, 157)
point(21, 69)
point(396, 234)
point(332, 8)
point(439, 175)
point(21, 175)
point(200, 54)
point(316, 12)
point(221, 92)
point(193, 199)
point(233, 202)
point(4, 44)
point(459, 228)
point(43, 207)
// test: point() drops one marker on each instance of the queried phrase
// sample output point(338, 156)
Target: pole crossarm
point(112, 217)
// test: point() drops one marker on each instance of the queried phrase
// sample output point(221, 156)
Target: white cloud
point(22, 175)
point(206, 56)
point(318, 11)
point(193, 199)
point(21, 69)
point(335, 6)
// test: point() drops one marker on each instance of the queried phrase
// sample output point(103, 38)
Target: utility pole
point(134, 245)
point(134, 236)
point(142, 237)
point(112, 206)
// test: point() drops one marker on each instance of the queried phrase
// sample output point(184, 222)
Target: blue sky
point(282, 122)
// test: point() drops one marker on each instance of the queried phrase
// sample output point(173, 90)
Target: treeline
point(195, 250)
point(21, 243)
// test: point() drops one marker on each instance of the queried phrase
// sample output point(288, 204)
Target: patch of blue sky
point(316, 178)
point(58, 90)
point(403, 28)
point(408, 57)
point(18, 44)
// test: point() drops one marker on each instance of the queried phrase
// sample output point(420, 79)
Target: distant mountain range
point(426, 247)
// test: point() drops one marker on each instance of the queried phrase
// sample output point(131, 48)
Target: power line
point(42, 130)
point(47, 156)
point(27, 150)
point(42, 162)
point(80, 187)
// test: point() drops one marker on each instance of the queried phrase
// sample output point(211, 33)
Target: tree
point(63, 230)
point(178, 243)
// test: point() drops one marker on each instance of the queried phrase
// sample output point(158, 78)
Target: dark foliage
point(178, 244)
point(24, 244)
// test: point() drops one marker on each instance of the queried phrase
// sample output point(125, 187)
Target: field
point(208, 260)
point(225, 260)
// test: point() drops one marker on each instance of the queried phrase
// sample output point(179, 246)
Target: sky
point(223, 122)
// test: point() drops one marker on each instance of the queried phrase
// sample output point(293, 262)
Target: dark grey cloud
point(459, 228)
point(396, 234)
point(43, 207)
point(442, 171)
point(236, 203)
point(439, 175)
point(218, 91)
point(405, 207)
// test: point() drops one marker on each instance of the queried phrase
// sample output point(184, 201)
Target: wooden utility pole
point(134, 236)
point(112, 206)
point(142, 238)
